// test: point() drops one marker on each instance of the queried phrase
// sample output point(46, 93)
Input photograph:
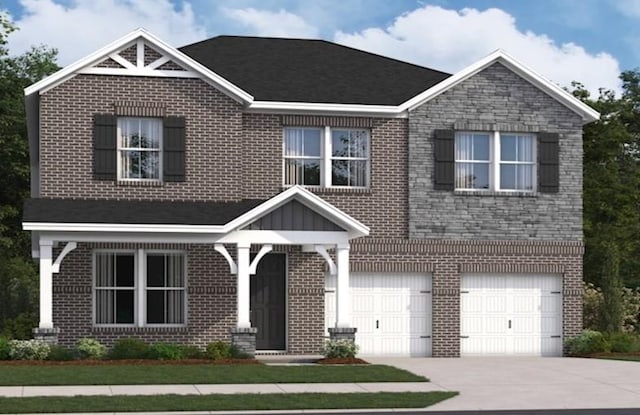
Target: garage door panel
point(399, 303)
point(531, 303)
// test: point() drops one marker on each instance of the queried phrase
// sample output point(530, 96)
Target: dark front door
point(268, 302)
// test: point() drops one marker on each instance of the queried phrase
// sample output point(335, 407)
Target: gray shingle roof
point(134, 212)
point(297, 70)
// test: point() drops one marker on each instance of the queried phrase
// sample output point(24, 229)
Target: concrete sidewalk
point(261, 388)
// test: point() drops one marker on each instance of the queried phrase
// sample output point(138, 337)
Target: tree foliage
point(18, 277)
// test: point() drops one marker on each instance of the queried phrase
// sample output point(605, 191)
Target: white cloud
point(275, 24)
point(450, 40)
point(86, 25)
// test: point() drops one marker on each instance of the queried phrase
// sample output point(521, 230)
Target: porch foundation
point(46, 335)
point(342, 333)
point(244, 338)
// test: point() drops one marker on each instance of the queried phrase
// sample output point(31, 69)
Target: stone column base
point(244, 338)
point(46, 335)
point(343, 333)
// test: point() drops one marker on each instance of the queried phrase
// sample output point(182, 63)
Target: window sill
point(139, 183)
point(493, 193)
point(148, 329)
point(335, 190)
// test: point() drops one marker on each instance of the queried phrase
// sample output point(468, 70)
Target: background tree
point(18, 276)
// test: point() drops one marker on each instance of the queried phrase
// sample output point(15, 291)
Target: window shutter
point(444, 160)
point(548, 162)
point(173, 149)
point(104, 147)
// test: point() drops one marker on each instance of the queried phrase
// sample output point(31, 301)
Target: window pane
point(472, 146)
point(124, 306)
point(130, 165)
point(340, 143)
point(155, 307)
point(175, 270)
point(104, 269)
point(302, 142)
point(516, 147)
point(155, 270)
point(302, 172)
point(150, 130)
point(105, 302)
point(472, 175)
point(129, 133)
point(349, 143)
point(349, 173)
point(516, 176)
point(125, 270)
point(150, 164)
point(175, 307)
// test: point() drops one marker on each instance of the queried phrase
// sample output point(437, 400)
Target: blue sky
point(586, 40)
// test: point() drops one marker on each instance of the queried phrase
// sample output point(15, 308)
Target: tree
point(611, 312)
point(18, 276)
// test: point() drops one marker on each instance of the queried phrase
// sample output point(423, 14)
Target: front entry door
point(268, 302)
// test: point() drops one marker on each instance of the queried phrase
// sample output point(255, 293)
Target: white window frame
point(495, 161)
point(140, 287)
point(326, 154)
point(121, 149)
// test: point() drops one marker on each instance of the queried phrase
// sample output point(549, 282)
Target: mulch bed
point(129, 362)
point(342, 361)
point(612, 354)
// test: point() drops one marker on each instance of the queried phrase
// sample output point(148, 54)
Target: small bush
point(236, 353)
point(129, 349)
point(166, 351)
point(191, 352)
point(586, 343)
point(90, 349)
point(5, 348)
point(28, 350)
point(20, 327)
point(218, 350)
point(624, 343)
point(59, 353)
point(340, 349)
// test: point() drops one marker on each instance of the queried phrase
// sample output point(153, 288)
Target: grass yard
point(131, 374)
point(85, 404)
point(613, 356)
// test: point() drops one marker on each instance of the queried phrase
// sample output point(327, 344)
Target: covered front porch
point(246, 234)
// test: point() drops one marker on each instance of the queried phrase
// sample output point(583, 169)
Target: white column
point(46, 284)
point(243, 293)
point(343, 317)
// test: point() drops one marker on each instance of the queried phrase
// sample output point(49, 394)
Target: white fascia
point(587, 113)
point(277, 107)
point(128, 40)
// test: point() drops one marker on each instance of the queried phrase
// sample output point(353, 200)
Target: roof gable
point(140, 54)
point(293, 216)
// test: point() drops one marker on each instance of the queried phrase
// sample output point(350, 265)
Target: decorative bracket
point(263, 251)
point(324, 254)
point(233, 267)
point(70, 246)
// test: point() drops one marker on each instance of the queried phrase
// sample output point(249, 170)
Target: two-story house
point(273, 192)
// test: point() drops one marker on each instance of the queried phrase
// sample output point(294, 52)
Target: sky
point(589, 41)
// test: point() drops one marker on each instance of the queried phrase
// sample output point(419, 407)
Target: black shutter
point(444, 142)
point(548, 162)
point(104, 147)
point(173, 149)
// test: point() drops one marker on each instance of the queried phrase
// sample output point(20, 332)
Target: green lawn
point(222, 402)
point(132, 374)
point(632, 358)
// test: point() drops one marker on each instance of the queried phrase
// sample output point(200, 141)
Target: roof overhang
point(352, 227)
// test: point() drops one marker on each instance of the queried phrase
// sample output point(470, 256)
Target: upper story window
point(328, 157)
point(139, 288)
point(495, 161)
point(139, 148)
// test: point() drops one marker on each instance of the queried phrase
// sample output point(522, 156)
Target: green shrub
point(218, 350)
point(28, 349)
point(586, 343)
point(191, 352)
point(624, 343)
point(59, 353)
point(340, 348)
point(90, 349)
point(129, 348)
point(166, 351)
point(236, 353)
point(20, 327)
point(5, 348)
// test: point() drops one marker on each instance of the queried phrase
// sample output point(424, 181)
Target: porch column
point(243, 293)
point(46, 285)
point(343, 319)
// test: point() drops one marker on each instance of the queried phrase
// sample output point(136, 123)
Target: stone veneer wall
point(494, 99)
point(211, 289)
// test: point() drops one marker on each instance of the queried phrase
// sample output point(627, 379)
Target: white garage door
point(392, 312)
point(511, 314)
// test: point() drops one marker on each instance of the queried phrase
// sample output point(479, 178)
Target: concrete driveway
point(493, 383)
